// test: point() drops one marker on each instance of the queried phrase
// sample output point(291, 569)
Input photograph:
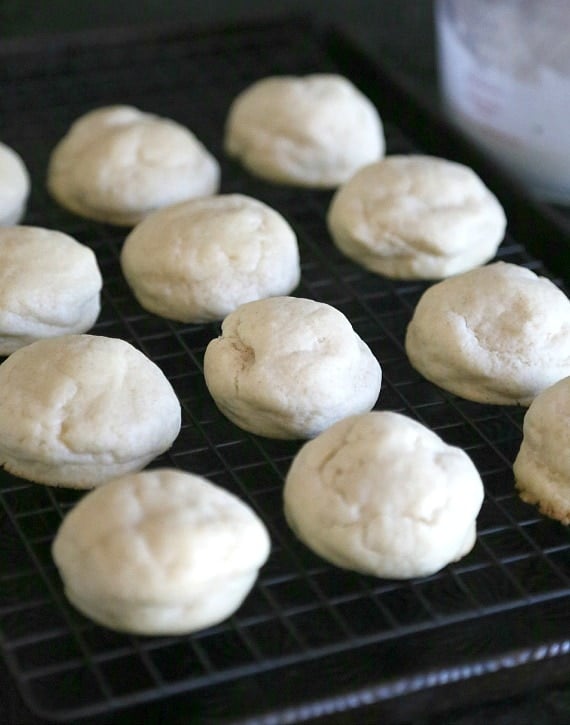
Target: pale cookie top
point(287, 367)
point(382, 494)
point(542, 465)
point(314, 130)
point(198, 260)
point(14, 186)
point(49, 285)
point(158, 536)
point(416, 216)
point(497, 334)
point(84, 399)
point(117, 164)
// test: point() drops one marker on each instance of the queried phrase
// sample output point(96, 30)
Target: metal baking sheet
point(311, 641)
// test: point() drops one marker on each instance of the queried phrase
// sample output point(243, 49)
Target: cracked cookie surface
point(288, 367)
point(50, 285)
point(498, 334)
point(77, 410)
point(198, 260)
point(542, 464)
point(416, 217)
point(381, 494)
point(116, 164)
point(309, 131)
point(160, 552)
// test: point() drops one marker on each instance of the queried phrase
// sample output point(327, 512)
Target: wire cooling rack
point(311, 640)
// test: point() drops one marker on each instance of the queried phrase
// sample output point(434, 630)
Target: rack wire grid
point(359, 641)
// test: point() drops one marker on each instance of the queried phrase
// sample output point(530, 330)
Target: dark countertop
point(397, 33)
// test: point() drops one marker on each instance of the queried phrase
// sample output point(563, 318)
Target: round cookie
point(498, 334)
point(14, 186)
point(288, 367)
point(78, 410)
point(198, 260)
point(117, 164)
point(542, 465)
point(416, 217)
point(310, 131)
point(49, 285)
point(383, 495)
point(159, 552)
